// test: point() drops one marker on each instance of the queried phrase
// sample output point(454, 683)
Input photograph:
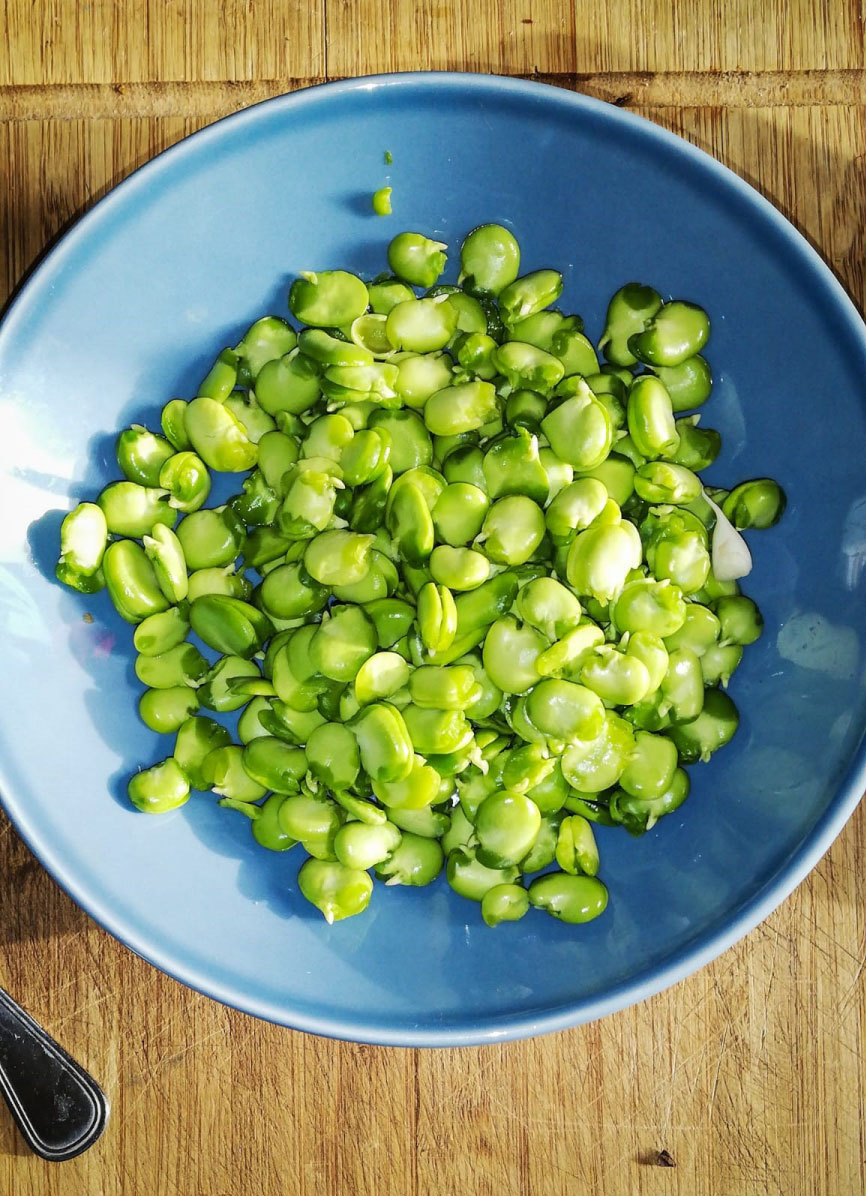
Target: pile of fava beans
point(471, 596)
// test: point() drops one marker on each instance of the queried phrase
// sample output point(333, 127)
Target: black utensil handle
point(59, 1108)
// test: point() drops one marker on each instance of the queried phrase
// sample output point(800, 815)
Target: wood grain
point(627, 89)
point(514, 36)
point(132, 41)
point(750, 1074)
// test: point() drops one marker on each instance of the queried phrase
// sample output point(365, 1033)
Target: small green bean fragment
point(382, 201)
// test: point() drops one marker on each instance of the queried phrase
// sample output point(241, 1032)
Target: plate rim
point(464, 1031)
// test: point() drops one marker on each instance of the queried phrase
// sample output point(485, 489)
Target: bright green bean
point(159, 789)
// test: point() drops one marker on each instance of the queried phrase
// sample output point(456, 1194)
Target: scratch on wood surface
point(766, 998)
point(174, 1057)
point(838, 945)
point(92, 1003)
point(154, 1072)
point(675, 1050)
point(718, 1073)
point(851, 991)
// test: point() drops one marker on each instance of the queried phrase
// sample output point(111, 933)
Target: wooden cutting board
point(747, 1078)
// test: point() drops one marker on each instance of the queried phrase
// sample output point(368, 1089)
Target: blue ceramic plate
point(128, 311)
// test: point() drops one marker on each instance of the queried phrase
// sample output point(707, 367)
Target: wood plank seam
point(689, 89)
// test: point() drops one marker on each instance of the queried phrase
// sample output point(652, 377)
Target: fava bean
point(416, 259)
point(159, 789)
point(196, 738)
point(627, 314)
point(133, 510)
point(489, 259)
point(337, 891)
point(759, 503)
point(131, 582)
point(218, 436)
point(329, 299)
point(141, 455)
point(674, 333)
point(83, 540)
point(571, 899)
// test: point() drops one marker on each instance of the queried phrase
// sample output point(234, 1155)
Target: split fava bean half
point(470, 561)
